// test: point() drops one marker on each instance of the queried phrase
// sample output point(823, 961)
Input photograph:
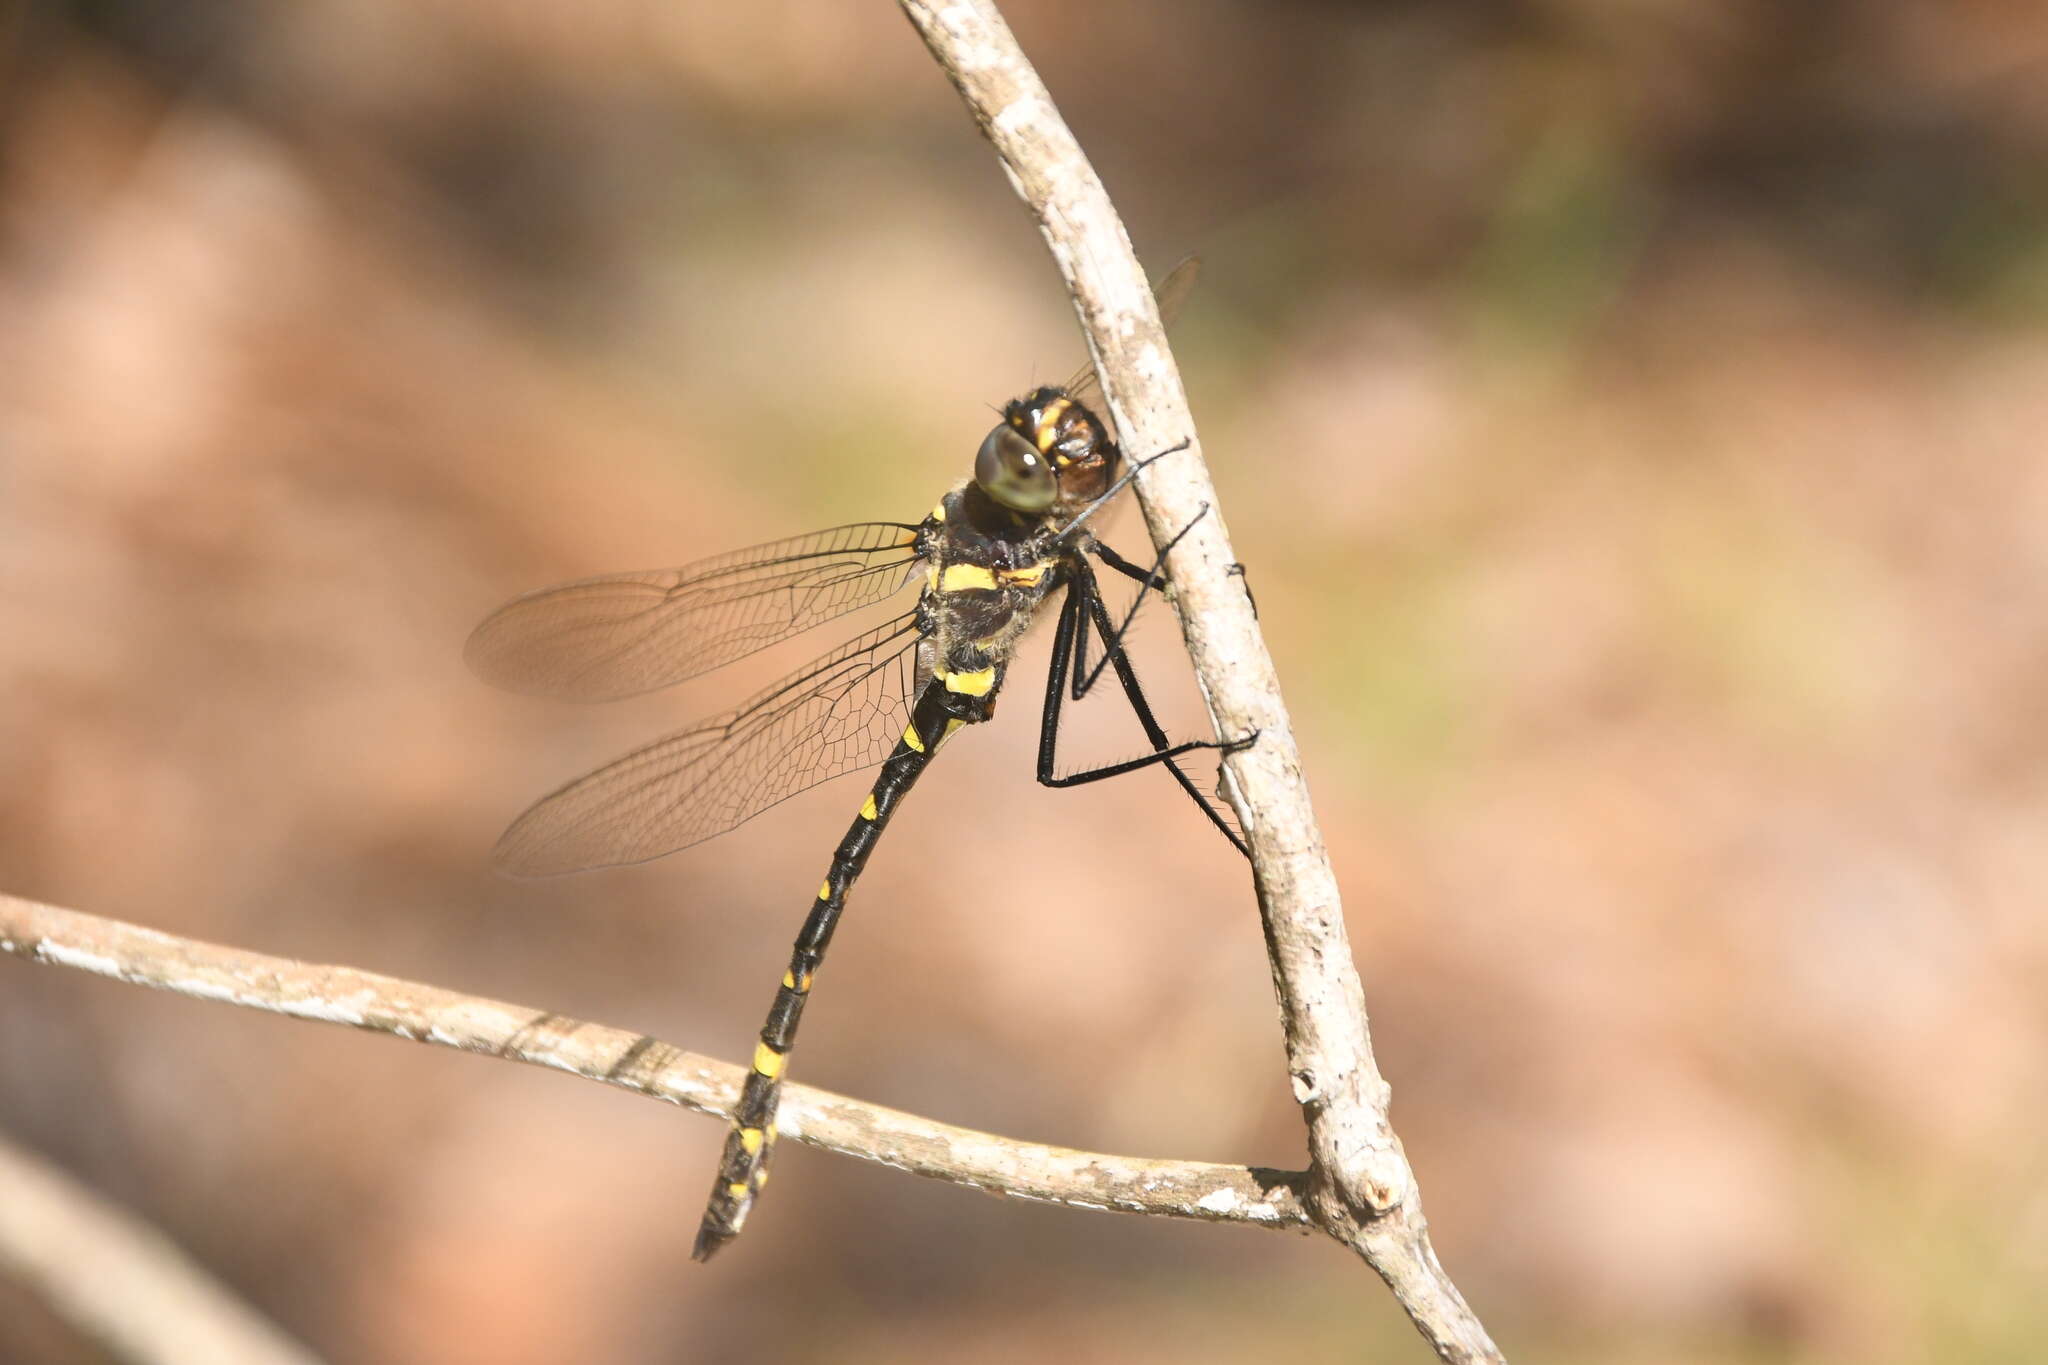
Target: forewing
point(1172, 296)
point(599, 639)
point(840, 712)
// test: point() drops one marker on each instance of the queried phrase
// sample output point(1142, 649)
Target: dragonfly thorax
point(987, 569)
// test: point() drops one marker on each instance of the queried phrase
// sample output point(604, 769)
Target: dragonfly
point(989, 558)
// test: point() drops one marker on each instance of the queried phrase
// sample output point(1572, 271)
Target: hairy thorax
point(987, 570)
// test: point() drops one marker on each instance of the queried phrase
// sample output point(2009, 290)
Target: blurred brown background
point(1632, 416)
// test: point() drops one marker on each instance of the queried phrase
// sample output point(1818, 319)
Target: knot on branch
point(1362, 1183)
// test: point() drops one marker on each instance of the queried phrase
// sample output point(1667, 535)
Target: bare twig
point(1361, 1191)
point(118, 1280)
point(637, 1062)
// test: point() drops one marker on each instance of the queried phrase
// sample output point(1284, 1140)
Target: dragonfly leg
point(1084, 607)
point(1085, 678)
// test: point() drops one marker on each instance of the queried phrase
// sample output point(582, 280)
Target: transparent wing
point(842, 711)
point(599, 639)
point(1172, 296)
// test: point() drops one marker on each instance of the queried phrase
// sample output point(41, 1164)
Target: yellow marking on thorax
point(952, 723)
point(751, 1140)
point(978, 683)
point(931, 577)
point(768, 1061)
point(963, 577)
point(867, 808)
point(910, 739)
point(1048, 423)
point(939, 510)
point(1030, 576)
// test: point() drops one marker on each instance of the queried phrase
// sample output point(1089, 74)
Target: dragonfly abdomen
point(743, 1168)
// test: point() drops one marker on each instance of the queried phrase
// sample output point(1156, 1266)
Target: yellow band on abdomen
point(978, 683)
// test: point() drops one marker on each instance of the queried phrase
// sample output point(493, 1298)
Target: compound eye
point(1011, 470)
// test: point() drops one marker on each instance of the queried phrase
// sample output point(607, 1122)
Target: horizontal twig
point(642, 1064)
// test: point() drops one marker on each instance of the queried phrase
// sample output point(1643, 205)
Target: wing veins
point(621, 634)
point(836, 713)
point(668, 622)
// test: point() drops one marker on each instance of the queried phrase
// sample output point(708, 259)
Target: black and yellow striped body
point(991, 553)
point(987, 571)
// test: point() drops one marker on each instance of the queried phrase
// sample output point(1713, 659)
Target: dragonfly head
point(1048, 454)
